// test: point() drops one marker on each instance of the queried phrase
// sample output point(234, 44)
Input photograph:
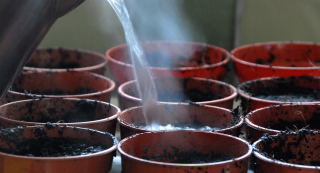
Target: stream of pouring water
point(145, 84)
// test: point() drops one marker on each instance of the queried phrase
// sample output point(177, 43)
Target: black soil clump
point(189, 157)
point(54, 147)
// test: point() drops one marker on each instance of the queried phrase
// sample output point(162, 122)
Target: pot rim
point(244, 156)
point(32, 123)
point(244, 94)
point(233, 95)
point(247, 63)
point(153, 68)
point(107, 151)
point(135, 128)
point(256, 153)
point(109, 89)
point(82, 51)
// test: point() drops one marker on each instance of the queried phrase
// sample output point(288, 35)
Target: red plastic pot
point(62, 111)
point(268, 91)
point(61, 84)
point(61, 59)
point(171, 59)
point(158, 152)
point(278, 118)
point(173, 90)
point(220, 119)
point(98, 162)
point(281, 59)
point(292, 152)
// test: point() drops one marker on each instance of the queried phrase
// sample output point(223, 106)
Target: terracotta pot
point(292, 152)
point(61, 59)
point(271, 91)
point(72, 112)
point(183, 151)
point(171, 59)
point(132, 121)
point(98, 162)
point(173, 90)
point(281, 59)
point(61, 84)
point(279, 118)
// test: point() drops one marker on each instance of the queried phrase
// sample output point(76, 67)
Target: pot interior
point(175, 54)
point(281, 54)
point(180, 116)
point(53, 141)
point(287, 117)
point(185, 90)
point(186, 147)
point(293, 147)
point(63, 58)
point(57, 110)
point(291, 89)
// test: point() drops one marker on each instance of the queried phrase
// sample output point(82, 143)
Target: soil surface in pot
point(82, 90)
point(158, 59)
point(176, 126)
point(54, 147)
point(283, 125)
point(299, 150)
point(191, 95)
point(188, 157)
point(81, 112)
point(60, 65)
point(287, 94)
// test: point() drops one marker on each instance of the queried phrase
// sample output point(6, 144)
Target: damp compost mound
point(54, 147)
point(189, 157)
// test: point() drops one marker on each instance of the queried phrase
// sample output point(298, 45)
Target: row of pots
point(160, 151)
point(188, 59)
point(213, 62)
point(253, 94)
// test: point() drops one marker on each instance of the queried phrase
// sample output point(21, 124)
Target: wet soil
point(189, 157)
point(287, 94)
point(63, 65)
point(81, 112)
point(192, 95)
point(81, 90)
point(54, 147)
point(283, 125)
point(176, 126)
point(297, 150)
